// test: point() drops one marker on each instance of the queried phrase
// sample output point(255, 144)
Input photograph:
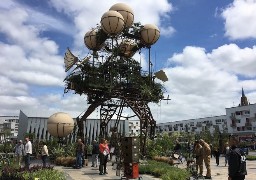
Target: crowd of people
point(100, 155)
point(202, 152)
point(23, 151)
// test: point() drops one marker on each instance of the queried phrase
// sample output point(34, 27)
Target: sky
point(207, 49)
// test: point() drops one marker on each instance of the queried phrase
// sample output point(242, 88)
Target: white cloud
point(12, 88)
point(26, 56)
point(233, 59)
point(240, 19)
point(167, 31)
point(199, 86)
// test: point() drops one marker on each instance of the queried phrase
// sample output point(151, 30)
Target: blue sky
point(207, 49)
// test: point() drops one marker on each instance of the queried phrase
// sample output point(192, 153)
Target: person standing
point(206, 157)
point(177, 148)
point(79, 153)
point(19, 151)
point(44, 153)
point(198, 152)
point(226, 154)
point(28, 152)
point(95, 153)
point(106, 157)
point(211, 147)
point(104, 152)
point(217, 155)
point(237, 161)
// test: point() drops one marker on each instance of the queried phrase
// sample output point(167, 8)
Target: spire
point(243, 92)
point(244, 101)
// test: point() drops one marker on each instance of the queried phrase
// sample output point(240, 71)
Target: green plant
point(89, 149)
point(164, 171)
point(14, 173)
point(44, 174)
point(160, 146)
point(250, 158)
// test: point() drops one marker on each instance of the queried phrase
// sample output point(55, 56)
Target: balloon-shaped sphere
point(112, 22)
point(126, 11)
point(149, 34)
point(91, 41)
point(60, 124)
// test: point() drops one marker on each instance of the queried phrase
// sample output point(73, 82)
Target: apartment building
point(239, 120)
point(8, 127)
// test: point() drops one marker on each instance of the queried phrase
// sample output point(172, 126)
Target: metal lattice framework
point(112, 79)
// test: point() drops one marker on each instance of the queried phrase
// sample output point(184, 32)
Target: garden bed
point(164, 171)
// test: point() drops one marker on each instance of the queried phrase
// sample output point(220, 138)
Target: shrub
point(164, 171)
point(250, 158)
point(65, 161)
point(12, 173)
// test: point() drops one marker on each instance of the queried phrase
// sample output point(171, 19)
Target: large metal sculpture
point(110, 77)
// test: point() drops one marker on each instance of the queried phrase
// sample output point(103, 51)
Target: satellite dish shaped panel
point(161, 75)
point(69, 60)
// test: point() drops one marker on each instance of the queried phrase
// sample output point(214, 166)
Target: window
point(247, 112)
point(238, 113)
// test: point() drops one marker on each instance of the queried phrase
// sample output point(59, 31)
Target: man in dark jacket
point(236, 170)
point(95, 153)
point(79, 153)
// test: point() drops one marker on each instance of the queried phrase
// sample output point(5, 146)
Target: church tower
point(244, 101)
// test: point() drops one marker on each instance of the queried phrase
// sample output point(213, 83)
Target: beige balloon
point(90, 40)
point(60, 124)
point(150, 34)
point(126, 11)
point(112, 22)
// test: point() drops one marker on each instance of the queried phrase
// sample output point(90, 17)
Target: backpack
point(242, 164)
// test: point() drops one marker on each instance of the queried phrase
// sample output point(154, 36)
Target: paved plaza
point(91, 173)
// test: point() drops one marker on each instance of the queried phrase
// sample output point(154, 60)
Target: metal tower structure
point(111, 78)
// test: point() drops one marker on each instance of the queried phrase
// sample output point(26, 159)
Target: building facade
point(38, 126)
point(240, 120)
point(8, 127)
point(196, 126)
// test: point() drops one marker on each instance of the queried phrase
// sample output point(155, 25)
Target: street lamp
point(60, 125)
